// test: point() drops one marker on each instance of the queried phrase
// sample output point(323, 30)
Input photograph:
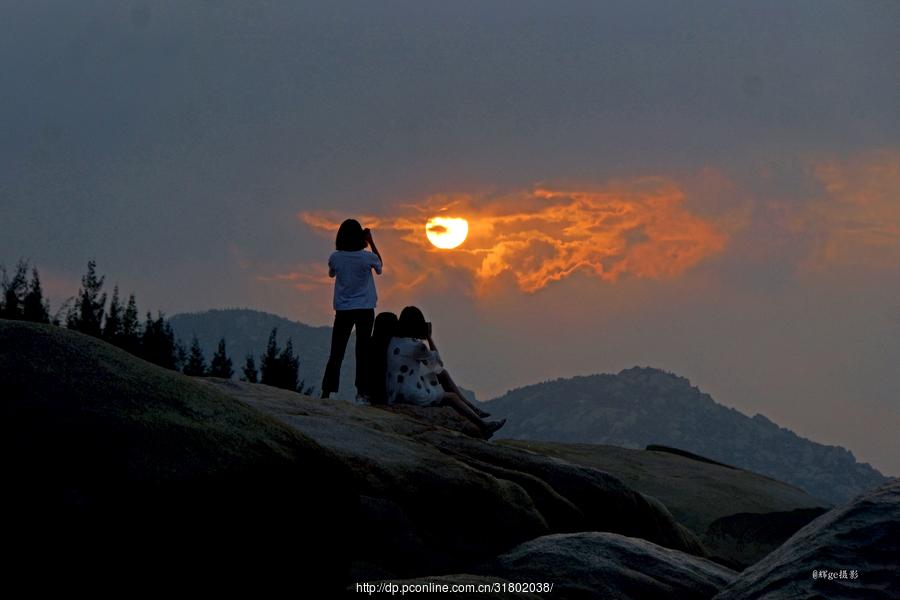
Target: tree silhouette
point(279, 367)
point(196, 363)
point(131, 328)
point(250, 372)
point(221, 364)
point(34, 307)
point(288, 364)
point(87, 315)
point(268, 364)
point(15, 289)
point(112, 328)
point(158, 343)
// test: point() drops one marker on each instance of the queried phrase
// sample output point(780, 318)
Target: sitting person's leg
point(450, 386)
point(462, 407)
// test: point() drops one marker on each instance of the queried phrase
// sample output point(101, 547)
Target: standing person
point(354, 302)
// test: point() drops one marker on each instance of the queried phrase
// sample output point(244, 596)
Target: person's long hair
point(385, 328)
point(412, 324)
point(350, 237)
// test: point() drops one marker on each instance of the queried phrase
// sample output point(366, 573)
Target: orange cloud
point(857, 221)
point(635, 229)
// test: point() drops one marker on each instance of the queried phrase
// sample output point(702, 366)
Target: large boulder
point(423, 512)
point(606, 503)
point(609, 566)
point(740, 516)
point(438, 501)
point(115, 467)
point(850, 552)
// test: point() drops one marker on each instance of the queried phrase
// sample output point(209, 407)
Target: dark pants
point(344, 321)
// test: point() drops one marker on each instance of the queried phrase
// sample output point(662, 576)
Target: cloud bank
point(534, 238)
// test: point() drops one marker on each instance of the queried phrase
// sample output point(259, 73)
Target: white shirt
point(354, 286)
point(412, 371)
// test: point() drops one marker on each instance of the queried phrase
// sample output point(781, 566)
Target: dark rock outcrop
point(610, 567)
point(745, 538)
point(740, 516)
point(116, 467)
point(453, 500)
point(860, 538)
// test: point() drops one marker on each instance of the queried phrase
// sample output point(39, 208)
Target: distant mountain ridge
point(642, 406)
point(246, 331)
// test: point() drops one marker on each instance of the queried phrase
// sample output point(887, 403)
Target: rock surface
point(740, 516)
point(609, 566)
point(862, 535)
point(115, 464)
point(452, 500)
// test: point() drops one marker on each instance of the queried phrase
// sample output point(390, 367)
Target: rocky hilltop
point(642, 406)
point(112, 461)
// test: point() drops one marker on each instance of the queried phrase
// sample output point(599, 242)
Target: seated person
point(382, 334)
point(416, 374)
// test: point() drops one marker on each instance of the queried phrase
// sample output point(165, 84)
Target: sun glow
point(446, 232)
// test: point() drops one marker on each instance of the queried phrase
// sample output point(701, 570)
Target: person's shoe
point(492, 426)
point(363, 400)
point(325, 395)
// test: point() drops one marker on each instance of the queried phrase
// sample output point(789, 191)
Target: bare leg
point(450, 386)
point(462, 407)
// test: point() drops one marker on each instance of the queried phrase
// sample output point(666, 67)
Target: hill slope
point(111, 462)
point(642, 406)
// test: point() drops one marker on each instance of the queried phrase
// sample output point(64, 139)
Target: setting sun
point(446, 232)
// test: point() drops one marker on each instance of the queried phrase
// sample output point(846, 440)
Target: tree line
point(153, 340)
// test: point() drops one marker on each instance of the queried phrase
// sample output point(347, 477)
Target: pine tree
point(221, 364)
point(112, 328)
point(131, 328)
point(288, 365)
point(196, 363)
point(87, 315)
point(15, 289)
point(269, 364)
point(181, 356)
point(250, 372)
point(34, 307)
point(279, 367)
point(158, 342)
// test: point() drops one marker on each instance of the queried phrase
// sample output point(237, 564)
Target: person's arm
point(431, 343)
point(371, 243)
point(331, 271)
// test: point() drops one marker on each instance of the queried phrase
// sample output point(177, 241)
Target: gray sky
point(711, 188)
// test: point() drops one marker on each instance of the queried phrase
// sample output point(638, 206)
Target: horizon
point(713, 191)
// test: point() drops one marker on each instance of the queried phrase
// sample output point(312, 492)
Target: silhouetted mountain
point(642, 406)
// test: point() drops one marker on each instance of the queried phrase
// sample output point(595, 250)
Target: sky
point(708, 188)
